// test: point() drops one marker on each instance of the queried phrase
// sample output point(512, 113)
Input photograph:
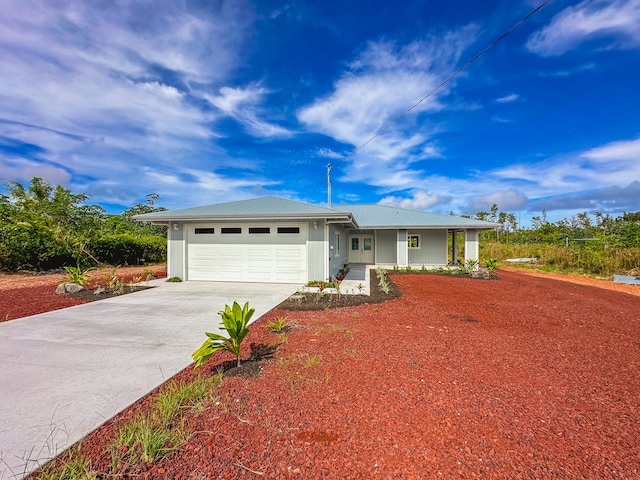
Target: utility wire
point(447, 80)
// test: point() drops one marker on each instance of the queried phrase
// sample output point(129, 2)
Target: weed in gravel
point(349, 334)
point(179, 396)
point(350, 351)
point(147, 440)
point(174, 279)
point(278, 324)
point(313, 361)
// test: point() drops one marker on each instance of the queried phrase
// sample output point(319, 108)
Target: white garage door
point(247, 253)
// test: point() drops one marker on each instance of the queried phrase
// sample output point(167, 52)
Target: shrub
point(127, 249)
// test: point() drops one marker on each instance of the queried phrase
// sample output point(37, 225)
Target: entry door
point(361, 249)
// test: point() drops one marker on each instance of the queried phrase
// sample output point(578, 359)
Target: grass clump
point(77, 467)
point(174, 279)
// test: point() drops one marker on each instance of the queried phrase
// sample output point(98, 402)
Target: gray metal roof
point(380, 216)
point(256, 208)
point(360, 216)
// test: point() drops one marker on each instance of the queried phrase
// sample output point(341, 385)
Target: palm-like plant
point(235, 321)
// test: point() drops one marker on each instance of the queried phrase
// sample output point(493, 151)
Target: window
point(259, 230)
point(355, 243)
point(337, 244)
point(288, 229)
point(231, 230)
point(366, 243)
point(200, 231)
point(414, 241)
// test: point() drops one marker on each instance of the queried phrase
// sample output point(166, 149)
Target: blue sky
point(210, 101)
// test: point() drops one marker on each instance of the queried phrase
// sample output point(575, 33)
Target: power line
point(447, 80)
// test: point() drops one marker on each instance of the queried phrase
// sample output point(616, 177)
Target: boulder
point(481, 273)
point(73, 287)
point(69, 288)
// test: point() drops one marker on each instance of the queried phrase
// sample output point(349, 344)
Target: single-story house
point(277, 240)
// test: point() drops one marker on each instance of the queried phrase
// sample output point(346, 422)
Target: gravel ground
point(523, 377)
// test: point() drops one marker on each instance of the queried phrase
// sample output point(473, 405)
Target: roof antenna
point(329, 185)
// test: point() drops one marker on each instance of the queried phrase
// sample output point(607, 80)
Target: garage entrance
point(247, 252)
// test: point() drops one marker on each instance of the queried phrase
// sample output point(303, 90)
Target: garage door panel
point(254, 258)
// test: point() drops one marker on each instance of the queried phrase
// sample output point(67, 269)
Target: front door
point(361, 249)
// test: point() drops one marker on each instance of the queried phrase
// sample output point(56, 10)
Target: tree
point(45, 226)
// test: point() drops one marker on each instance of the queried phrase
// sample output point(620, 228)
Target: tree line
point(599, 244)
point(43, 227)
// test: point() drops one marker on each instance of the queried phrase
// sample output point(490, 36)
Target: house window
point(288, 229)
point(231, 230)
point(259, 230)
point(414, 241)
point(200, 231)
point(337, 244)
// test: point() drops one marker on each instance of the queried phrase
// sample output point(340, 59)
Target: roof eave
point(333, 218)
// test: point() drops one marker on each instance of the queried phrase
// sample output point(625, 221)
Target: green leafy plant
point(470, 265)
point(491, 265)
point(408, 268)
point(148, 274)
point(77, 275)
point(174, 279)
point(235, 321)
point(277, 325)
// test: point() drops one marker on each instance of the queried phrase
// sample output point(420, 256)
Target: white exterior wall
point(176, 251)
point(432, 249)
point(471, 249)
point(403, 248)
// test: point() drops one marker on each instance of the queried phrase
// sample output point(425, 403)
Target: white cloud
point(419, 200)
point(589, 20)
point(23, 170)
point(101, 88)
point(512, 97)
point(578, 176)
point(243, 104)
point(623, 151)
point(383, 81)
point(328, 153)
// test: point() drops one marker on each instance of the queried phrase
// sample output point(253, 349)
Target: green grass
point(576, 259)
point(174, 279)
point(179, 396)
point(145, 439)
point(76, 468)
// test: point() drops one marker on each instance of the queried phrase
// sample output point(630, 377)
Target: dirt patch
point(27, 294)
point(580, 280)
point(522, 378)
point(323, 301)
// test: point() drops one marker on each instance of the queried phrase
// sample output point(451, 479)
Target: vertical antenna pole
point(328, 184)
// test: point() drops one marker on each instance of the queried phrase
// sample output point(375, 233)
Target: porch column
point(403, 248)
point(471, 245)
point(454, 247)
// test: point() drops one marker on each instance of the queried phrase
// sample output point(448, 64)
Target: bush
point(126, 249)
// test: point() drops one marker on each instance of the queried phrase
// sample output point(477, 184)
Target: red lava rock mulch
point(22, 295)
point(519, 378)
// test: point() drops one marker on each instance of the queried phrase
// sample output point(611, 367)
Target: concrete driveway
point(64, 373)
